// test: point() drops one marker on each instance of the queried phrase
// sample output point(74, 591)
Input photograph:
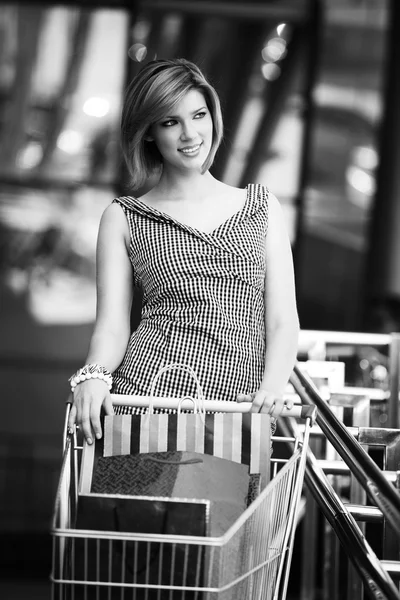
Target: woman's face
point(184, 137)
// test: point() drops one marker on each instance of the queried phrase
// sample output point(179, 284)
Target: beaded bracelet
point(91, 371)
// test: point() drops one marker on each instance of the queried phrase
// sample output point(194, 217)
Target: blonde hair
point(149, 97)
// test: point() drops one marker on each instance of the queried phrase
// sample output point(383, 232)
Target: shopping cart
point(250, 561)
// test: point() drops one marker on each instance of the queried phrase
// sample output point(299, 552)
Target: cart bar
point(159, 402)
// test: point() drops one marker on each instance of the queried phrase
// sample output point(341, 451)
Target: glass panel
point(61, 75)
point(349, 105)
point(279, 161)
point(62, 72)
point(343, 164)
point(48, 253)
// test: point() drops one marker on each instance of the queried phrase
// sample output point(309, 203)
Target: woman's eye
point(200, 115)
point(169, 123)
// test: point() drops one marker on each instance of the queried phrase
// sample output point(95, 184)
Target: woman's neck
point(180, 186)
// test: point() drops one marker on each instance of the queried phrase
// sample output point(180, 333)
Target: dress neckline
point(165, 216)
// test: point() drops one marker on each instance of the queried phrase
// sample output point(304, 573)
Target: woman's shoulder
point(113, 218)
point(258, 189)
point(125, 202)
point(258, 196)
point(263, 193)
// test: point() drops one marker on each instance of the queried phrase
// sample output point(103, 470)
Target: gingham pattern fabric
point(203, 301)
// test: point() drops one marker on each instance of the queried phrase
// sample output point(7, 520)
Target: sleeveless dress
point(203, 301)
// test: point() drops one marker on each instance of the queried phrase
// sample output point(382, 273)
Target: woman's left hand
point(264, 401)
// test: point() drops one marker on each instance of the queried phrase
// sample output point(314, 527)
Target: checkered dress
point(203, 302)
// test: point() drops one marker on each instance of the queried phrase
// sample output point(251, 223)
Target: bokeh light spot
point(274, 50)
point(361, 180)
point(30, 156)
point(366, 157)
point(96, 107)
point(280, 28)
point(70, 141)
point(270, 71)
point(137, 52)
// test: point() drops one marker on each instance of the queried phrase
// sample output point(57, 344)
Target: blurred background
point(311, 102)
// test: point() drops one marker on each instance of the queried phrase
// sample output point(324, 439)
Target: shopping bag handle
point(198, 402)
point(187, 399)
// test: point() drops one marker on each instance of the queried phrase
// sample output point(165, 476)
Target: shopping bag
point(152, 474)
point(142, 514)
point(226, 484)
point(124, 561)
point(242, 438)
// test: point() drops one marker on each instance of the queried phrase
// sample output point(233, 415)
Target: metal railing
point(390, 341)
point(375, 577)
point(380, 491)
point(373, 572)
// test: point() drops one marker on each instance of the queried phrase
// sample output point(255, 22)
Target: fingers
point(72, 417)
point(95, 414)
point(85, 421)
point(277, 406)
point(108, 407)
point(244, 397)
point(263, 401)
point(269, 403)
point(87, 402)
point(94, 420)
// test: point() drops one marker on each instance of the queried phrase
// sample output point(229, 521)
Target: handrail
point(381, 492)
point(376, 579)
point(353, 338)
point(308, 338)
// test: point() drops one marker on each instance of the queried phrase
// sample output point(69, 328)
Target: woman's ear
point(148, 137)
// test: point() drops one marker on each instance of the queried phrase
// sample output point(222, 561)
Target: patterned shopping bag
point(240, 437)
point(226, 484)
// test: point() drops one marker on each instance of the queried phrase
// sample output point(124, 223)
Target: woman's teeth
point(190, 150)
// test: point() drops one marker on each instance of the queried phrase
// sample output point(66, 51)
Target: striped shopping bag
point(241, 438)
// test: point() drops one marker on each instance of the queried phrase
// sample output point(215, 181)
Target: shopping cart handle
point(165, 403)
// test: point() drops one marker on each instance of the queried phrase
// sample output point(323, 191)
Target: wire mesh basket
point(251, 560)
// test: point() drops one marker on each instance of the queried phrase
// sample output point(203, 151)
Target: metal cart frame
point(250, 561)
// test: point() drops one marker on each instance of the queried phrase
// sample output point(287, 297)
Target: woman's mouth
point(190, 149)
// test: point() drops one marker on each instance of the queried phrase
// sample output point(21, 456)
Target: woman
point(214, 263)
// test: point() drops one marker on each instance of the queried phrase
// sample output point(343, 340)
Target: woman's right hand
point(87, 399)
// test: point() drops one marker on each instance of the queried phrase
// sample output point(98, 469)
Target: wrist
point(277, 393)
point(91, 371)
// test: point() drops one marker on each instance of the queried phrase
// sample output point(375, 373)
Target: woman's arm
point(112, 327)
point(281, 318)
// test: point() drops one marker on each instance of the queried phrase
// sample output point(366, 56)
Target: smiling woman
point(213, 262)
point(188, 133)
point(150, 105)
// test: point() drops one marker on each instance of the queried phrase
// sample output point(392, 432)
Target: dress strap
point(136, 205)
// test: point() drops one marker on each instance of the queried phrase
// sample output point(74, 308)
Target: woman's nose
point(188, 131)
